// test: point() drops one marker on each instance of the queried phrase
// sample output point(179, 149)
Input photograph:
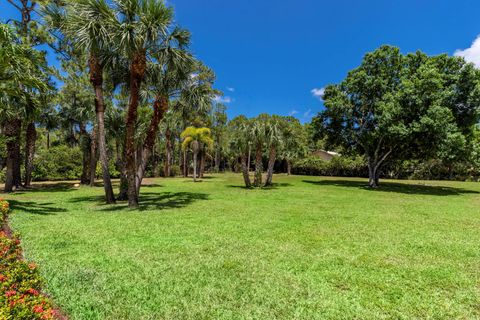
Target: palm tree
point(166, 79)
point(273, 139)
point(21, 73)
point(88, 25)
point(196, 139)
point(258, 135)
point(240, 128)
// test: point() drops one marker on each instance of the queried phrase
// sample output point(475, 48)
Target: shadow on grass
point(148, 201)
point(396, 187)
point(48, 187)
point(40, 208)
point(272, 187)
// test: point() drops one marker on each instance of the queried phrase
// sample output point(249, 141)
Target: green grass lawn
point(309, 248)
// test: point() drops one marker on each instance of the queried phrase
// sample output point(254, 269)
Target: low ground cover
point(309, 247)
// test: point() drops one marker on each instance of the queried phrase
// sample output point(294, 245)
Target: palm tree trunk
point(30, 139)
point(168, 153)
point(195, 155)
point(271, 162)
point(257, 182)
point(137, 71)
point(93, 155)
point(96, 77)
point(249, 156)
point(246, 176)
point(160, 107)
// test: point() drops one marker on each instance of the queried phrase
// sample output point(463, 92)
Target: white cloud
point(471, 54)
point(293, 112)
point(220, 99)
point(318, 92)
point(230, 89)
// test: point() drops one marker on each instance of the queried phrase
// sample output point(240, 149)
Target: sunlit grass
point(310, 247)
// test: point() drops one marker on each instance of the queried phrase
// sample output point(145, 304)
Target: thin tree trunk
point(195, 155)
point(48, 139)
point(12, 133)
point(289, 168)
point(160, 107)
point(271, 162)
point(246, 176)
point(30, 139)
point(257, 182)
point(96, 77)
point(185, 168)
point(202, 163)
point(168, 153)
point(249, 157)
point(93, 155)
point(84, 179)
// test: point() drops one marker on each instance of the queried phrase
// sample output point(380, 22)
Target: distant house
point(325, 155)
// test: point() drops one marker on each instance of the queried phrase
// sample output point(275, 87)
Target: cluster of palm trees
point(268, 137)
point(146, 57)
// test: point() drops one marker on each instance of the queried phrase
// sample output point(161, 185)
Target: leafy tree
point(396, 106)
point(239, 129)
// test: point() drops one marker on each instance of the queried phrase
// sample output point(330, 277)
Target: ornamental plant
point(20, 285)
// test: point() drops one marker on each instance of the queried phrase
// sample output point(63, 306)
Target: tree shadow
point(148, 201)
point(47, 187)
point(396, 187)
point(44, 208)
point(271, 187)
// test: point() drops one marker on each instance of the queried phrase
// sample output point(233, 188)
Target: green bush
point(338, 166)
point(58, 163)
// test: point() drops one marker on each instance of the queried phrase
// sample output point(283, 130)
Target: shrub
point(338, 166)
point(4, 209)
point(58, 163)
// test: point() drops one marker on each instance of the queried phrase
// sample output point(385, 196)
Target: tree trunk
point(257, 182)
point(30, 140)
point(195, 155)
point(137, 72)
point(96, 78)
point(289, 168)
point(168, 153)
point(202, 163)
point(160, 107)
point(93, 155)
point(271, 162)
point(12, 133)
point(84, 179)
point(249, 157)
point(185, 168)
point(48, 139)
point(246, 176)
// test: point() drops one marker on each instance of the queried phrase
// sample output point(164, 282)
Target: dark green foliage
point(58, 163)
point(338, 166)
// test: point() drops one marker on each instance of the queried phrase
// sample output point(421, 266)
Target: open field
point(308, 248)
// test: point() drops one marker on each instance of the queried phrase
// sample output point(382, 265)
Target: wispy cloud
point(231, 89)
point(293, 112)
point(308, 113)
point(471, 54)
point(318, 92)
point(220, 99)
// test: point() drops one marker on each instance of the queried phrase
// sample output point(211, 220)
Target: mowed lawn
point(309, 248)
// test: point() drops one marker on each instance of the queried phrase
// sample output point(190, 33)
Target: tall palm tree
point(141, 27)
point(196, 139)
point(88, 24)
point(167, 77)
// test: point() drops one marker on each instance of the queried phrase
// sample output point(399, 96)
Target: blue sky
point(270, 55)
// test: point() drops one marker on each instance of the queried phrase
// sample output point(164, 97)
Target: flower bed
point(20, 283)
